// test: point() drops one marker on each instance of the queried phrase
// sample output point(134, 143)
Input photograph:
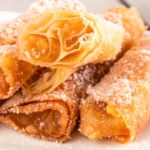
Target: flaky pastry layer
point(65, 40)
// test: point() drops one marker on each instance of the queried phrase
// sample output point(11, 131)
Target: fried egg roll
point(13, 72)
point(119, 106)
point(130, 20)
point(51, 115)
point(65, 40)
point(9, 31)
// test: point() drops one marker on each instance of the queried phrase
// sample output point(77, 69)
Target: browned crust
point(14, 73)
point(127, 89)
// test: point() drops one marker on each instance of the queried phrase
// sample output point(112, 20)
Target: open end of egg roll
point(46, 119)
point(104, 121)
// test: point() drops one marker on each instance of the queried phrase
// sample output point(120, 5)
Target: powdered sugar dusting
point(43, 5)
point(87, 76)
point(115, 18)
point(125, 93)
point(119, 91)
point(8, 49)
point(126, 78)
point(75, 86)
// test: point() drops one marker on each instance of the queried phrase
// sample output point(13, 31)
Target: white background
point(21, 5)
point(95, 6)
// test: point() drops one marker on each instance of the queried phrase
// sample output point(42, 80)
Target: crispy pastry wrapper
point(68, 39)
point(119, 106)
point(65, 40)
point(51, 116)
point(13, 72)
point(130, 20)
point(9, 31)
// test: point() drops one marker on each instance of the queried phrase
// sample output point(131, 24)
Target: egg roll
point(65, 40)
point(13, 72)
point(119, 106)
point(130, 20)
point(51, 115)
point(9, 31)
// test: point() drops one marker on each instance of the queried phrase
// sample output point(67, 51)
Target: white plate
point(7, 15)
point(12, 140)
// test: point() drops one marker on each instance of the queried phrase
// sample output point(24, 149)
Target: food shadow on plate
point(17, 140)
point(141, 142)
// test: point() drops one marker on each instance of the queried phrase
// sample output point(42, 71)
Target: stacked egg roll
point(51, 115)
point(65, 40)
point(130, 20)
point(119, 106)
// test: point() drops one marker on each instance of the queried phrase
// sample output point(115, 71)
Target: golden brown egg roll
point(9, 30)
point(65, 40)
point(13, 72)
point(51, 115)
point(130, 20)
point(61, 38)
point(119, 106)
